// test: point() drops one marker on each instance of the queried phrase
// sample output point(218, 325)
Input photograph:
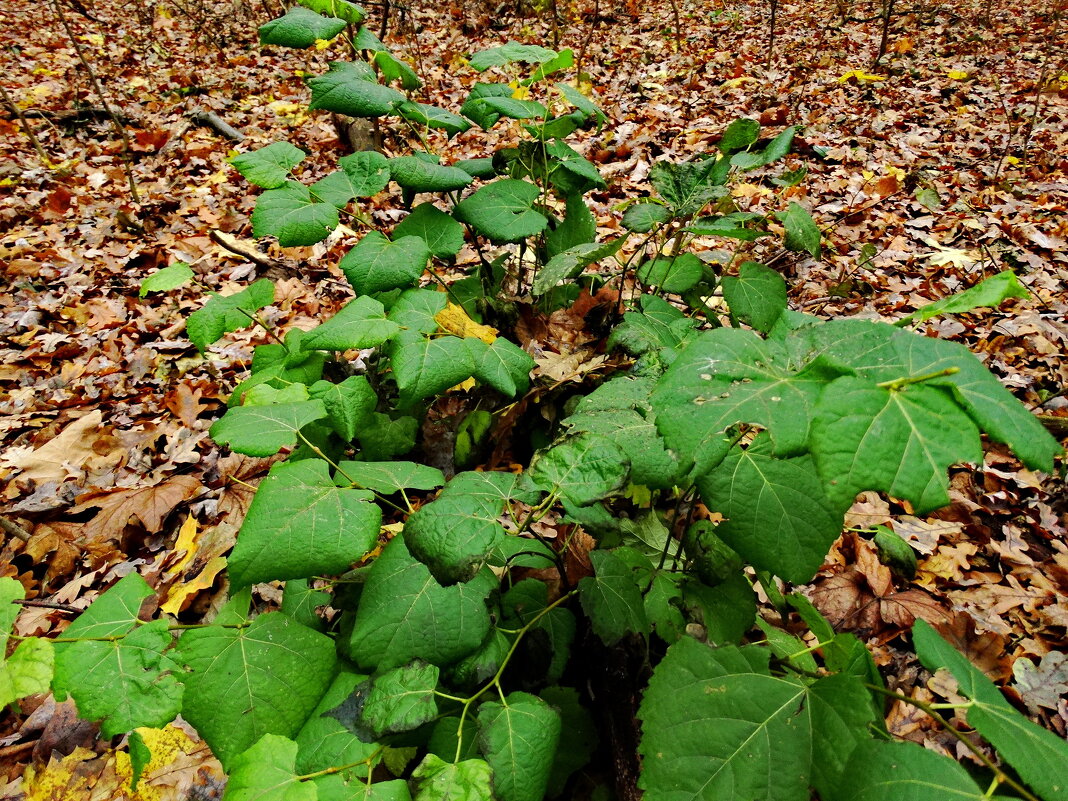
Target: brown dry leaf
point(870, 509)
point(985, 650)
point(568, 367)
point(150, 505)
point(924, 535)
point(73, 446)
point(1044, 684)
point(948, 562)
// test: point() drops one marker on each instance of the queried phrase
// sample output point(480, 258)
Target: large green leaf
point(28, 669)
point(361, 323)
point(293, 215)
point(362, 174)
point(674, 274)
point(582, 468)
point(687, 187)
point(510, 53)
point(124, 682)
point(300, 28)
point(398, 700)
point(1038, 755)
point(438, 780)
point(716, 724)
point(569, 263)
point(884, 771)
point(265, 430)
point(324, 740)
point(375, 264)
point(393, 69)
point(802, 233)
point(349, 404)
point(225, 313)
point(481, 114)
point(642, 217)
point(301, 524)
point(757, 296)
point(442, 234)
point(350, 88)
point(401, 602)
point(243, 683)
point(269, 166)
point(454, 534)
point(990, 292)
point(420, 175)
point(658, 326)
point(390, 477)
point(518, 738)
point(384, 437)
point(167, 278)
point(342, 9)
point(267, 772)
point(579, 227)
point(739, 135)
point(611, 599)
point(583, 174)
point(506, 367)
point(729, 376)
point(433, 117)
point(428, 366)
point(776, 514)
point(503, 210)
point(578, 736)
point(899, 441)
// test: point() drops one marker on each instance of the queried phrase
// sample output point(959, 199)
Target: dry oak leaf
point(1044, 684)
point(150, 505)
point(73, 446)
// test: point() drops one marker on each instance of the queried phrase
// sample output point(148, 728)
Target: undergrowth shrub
point(447, 631)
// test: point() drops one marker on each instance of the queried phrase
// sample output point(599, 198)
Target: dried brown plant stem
point(126, 158)
point(25, 125)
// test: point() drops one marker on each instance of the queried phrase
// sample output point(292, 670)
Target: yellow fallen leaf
point(185, 544)
point(454, 319)
point(734, 83)
point(463, 386)
point(95, 39)
point(861, 76)
point(957, 75)
point(322, 44)
point(56, 781)
point(519, 92)
point(181, 593)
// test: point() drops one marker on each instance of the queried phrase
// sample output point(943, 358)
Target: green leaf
point(267, 772)
point(401, 602)
point(342, 9)
point(437, 780)
point(427, 367)
point(350, 88)
point(577, 228)
point(419, 175)
point(508, 106)
point(269, 166)
point(398, 700)
point(757, 296)
point(662, 607)
point(454, 535)
point(578, 736)
point(611, 599)
point(643, 217)
point(442, 234)
point(362, 174)
point(300, 601)
point(503, 210)
point(222, 313)
point(375, 264)
point(518, 738)
point(898, 441)
point(243, 683)
point(1029, 748)
point(125, 682)
point(739, 135)
point(167, 278)
point(575, 164)
point(672, 274)
point(582, 103)
point(265, 430)
point(433, 117)
point(988, 293)
point(571, 262)
point(478, 112)
point(716, 725)
point(561, 61)
point(417, 309)
point(903, 771)
point(394, 69)
point(779, 147)
point(687, 187)
point(776, 513)
point(390, 477)
point(140, 756)
point(324, 741)
point(300, 28)
point(657, 326)
point(348, 404)
point(384, 437)
point(802, 234)
point(510, 53)
point(291, 214)
point(731, 226)
point(506, 367)
point(730, 376)
point(301, 524)
point(28, 670)
point(582, 468)
point(361, 323)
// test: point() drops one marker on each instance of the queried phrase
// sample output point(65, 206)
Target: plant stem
point(898, 383)
point(25, 126)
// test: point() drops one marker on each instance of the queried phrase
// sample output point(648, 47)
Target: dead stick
point(236, 246)
point(25, 125)
point(127, 160)
point(13, 529)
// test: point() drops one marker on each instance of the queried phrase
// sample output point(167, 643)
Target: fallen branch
point(13, 529)
point(209, 119)
point(245, 249)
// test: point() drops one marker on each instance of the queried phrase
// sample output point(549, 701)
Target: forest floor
point(943, 164)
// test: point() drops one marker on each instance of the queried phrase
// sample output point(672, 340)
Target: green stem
point(338, 768)
point(899, 383)
point(263, 324)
